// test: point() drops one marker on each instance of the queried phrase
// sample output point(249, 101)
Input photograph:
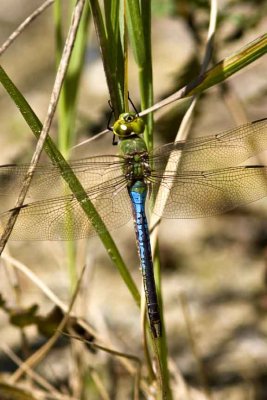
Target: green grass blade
point(113, 10)
point(70, 89)
point(139, 25)
point(74, 184)
point(107, 56)
point(162, 342)
point(58, 29)
point(230, 65)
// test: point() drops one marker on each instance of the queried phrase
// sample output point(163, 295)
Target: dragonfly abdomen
point(137, 193)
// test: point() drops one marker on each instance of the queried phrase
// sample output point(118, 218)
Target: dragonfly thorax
point(136, 167)
point(136, 160)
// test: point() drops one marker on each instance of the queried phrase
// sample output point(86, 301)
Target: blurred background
point(214, 269)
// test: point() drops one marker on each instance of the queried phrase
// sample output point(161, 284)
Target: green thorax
point(132, 147)
point(136, 165)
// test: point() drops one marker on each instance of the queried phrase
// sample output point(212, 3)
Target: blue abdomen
point(138, 193)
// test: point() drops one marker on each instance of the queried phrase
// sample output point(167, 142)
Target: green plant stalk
point(67, 107)
point(140, 34)
point(162, 342)
point(124, 35)
point(74, 184)
point(129, 18)
point(146, 72)
point(63, 133)
point(57, 8)
point(109, 37)
point(115, 45)
point(140, 37)
point(69, 93)
point(147, 96)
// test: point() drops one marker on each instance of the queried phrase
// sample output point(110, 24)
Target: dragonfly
point(202, 177)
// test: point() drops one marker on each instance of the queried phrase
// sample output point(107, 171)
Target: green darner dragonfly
point(206, 181)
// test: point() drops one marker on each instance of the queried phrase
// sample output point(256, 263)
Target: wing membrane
point(225, 149)
point(47, 181)
point(207, 193)
point(63, 218)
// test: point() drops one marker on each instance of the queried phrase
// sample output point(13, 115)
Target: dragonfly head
point(128, 124)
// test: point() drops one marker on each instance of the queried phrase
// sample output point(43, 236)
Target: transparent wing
point(63, 218)
point(225, 149)
point(206, 193)
point(47, 181)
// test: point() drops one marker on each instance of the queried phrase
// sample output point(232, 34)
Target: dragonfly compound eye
point(129, 118)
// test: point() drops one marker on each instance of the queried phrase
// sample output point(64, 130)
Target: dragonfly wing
point(225, 149)
point(47, 181)
point(206, 193)
point(63, 218)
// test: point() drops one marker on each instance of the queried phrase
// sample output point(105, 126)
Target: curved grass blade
point(230, 65)
point(219, 73)
point(56, 157)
